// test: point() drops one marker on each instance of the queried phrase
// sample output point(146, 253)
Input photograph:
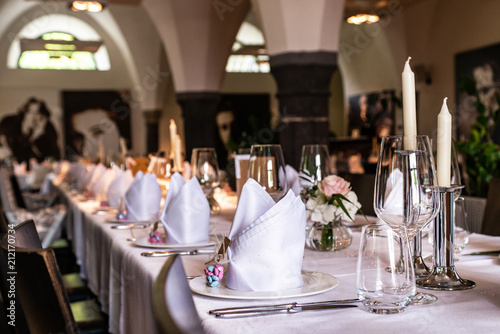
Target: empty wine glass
point(163, 169)
point(206, 169)
point(406, 193)
point(267, 167)
point(314, 164)
point(461, 235)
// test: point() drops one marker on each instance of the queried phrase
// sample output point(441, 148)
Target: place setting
point(267, 238)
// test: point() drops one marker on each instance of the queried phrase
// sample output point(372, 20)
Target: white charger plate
point(314, 283)
point(143, 242)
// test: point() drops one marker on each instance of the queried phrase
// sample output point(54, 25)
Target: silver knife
point(292, 309)
point(282, 306)
point(179, 252)
point(128, 226)
point(494, 252)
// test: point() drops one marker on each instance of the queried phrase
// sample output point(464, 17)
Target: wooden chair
point(20, 324)
point(40, 288)
point(491, 222)
point(173, 306)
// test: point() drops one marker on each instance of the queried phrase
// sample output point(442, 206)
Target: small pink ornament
point(154, 237)
point(104, 204)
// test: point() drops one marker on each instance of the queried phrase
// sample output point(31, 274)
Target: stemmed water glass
point(314, 164)
point(206, 169)
point(267, 167)
point(406, 194)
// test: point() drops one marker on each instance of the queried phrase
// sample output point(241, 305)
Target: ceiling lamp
point(86, 5)
point(363, 18)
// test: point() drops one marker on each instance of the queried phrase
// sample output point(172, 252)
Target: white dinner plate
point(143, 242)
point(314, 283)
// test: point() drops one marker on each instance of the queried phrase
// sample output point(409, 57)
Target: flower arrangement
point(329, 199)
point(327, 204)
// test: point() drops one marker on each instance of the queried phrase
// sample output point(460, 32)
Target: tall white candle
point(444, 146)
point(173, 133)
point(409, 107)
point(178, 161)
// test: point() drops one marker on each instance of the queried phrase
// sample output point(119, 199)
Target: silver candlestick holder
point(421, 269)
point(443, 275)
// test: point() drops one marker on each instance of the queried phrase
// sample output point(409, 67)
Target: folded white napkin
point(267, 241)
point(143, 197)
point(85, 179)
point(292, 177)
point(101, 185)
point(75, 172)
point(99, 171)
point(394, 193)
point(19, 168)
point(118, 187)
point(186, 212)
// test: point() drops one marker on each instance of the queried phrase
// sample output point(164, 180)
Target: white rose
point(311, 203)
point(329, 213)
point(317, 213)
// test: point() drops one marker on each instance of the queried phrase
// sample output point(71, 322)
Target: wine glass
point(406, 192)
point(267, 167)
point(314, 164)
point(206, 169)
point(163, 168)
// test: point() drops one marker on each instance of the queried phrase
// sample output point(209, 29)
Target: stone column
point(152, 118)
point(199, 110)
point(303, 80)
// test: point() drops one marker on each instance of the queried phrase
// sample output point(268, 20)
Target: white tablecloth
point(122, 279)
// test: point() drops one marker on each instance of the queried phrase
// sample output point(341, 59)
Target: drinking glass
point(163, 169)
point(461, 235)
point(206, 169)
point(461, 228)
point(314, 164)
point(406, 193)
point(267, 167)
point(385, 279)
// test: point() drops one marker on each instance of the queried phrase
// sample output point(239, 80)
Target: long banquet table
point(122, 279)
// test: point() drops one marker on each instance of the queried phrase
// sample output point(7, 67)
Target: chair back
point(173, 306)
point(363, 185)
point(6, 193)
point(39, 284)
point(18, 194)
point(4, 227)
point(491, 224)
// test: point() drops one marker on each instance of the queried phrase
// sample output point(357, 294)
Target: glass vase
point(333, 236)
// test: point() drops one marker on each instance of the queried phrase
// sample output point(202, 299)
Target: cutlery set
point(291, 308)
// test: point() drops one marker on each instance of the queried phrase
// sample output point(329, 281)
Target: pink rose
point(334, 184)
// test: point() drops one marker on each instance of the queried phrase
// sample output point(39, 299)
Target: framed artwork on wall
point(372, 114)
point(96, 123)
point(29, 133)
point(479, 69)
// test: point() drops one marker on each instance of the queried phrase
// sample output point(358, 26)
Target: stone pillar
point(152, 118)
point(199, 110)
point(303, 80)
